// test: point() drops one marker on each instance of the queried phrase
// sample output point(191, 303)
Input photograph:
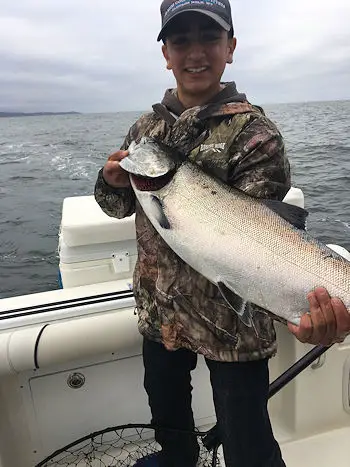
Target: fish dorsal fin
point(236, 303)
point(292, 214)
point(157, 208)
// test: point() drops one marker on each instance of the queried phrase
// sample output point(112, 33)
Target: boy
point(180, 312)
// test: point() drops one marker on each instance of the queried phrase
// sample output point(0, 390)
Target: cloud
point(103, 56)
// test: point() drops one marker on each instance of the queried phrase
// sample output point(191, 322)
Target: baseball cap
point(218, 10)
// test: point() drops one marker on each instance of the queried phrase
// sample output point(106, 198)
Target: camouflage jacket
point(236, 143)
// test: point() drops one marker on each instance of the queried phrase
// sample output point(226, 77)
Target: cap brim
point(226, 26)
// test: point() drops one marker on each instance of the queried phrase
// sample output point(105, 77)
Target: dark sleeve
point(258, 163)
point(115, 202)
point(118, 202)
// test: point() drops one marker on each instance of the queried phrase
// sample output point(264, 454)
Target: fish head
point(150, 159)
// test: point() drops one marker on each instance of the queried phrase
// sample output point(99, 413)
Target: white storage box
point(94, 247)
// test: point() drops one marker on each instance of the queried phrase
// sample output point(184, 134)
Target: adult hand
point(113, 174)
point(327, 322)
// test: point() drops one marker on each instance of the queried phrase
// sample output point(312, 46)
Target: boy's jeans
point(240, 392)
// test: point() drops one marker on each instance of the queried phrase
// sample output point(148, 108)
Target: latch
point(121, 262)
point(76, 380)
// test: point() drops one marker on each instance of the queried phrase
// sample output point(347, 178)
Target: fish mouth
point(151, 184)
point(151, 159)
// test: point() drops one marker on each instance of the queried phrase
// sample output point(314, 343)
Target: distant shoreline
point(35, 114)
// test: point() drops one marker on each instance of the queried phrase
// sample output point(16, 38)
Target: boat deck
point(328, 449)
point(322, 450)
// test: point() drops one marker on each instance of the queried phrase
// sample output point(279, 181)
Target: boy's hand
point(113, 174)
point(328, 321)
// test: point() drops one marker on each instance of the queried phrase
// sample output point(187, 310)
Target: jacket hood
point(227, 95)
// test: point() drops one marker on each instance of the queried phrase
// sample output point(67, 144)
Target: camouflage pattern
point(177, 306)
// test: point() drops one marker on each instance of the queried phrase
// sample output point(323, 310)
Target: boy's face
point(197, 50)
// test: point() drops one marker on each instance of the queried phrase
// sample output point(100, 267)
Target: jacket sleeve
point(258, 163)
point(120, 202)
point(116, 202)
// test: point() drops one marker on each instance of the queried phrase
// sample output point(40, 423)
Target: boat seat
point(84, 223)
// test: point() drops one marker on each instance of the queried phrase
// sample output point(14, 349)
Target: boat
point(71, 373)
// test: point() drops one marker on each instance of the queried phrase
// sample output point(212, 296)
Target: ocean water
point(46, 159)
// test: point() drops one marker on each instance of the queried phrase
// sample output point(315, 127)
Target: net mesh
point(119, 447)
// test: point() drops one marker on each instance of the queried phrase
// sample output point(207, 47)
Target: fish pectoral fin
point(236, 303)
point(159, 213)
point(292, 214)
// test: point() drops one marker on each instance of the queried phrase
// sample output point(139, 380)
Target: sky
point(103, 56)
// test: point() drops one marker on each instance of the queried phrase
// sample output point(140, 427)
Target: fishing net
point(121, 446)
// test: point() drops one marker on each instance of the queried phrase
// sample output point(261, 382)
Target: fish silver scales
point(240, 244)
